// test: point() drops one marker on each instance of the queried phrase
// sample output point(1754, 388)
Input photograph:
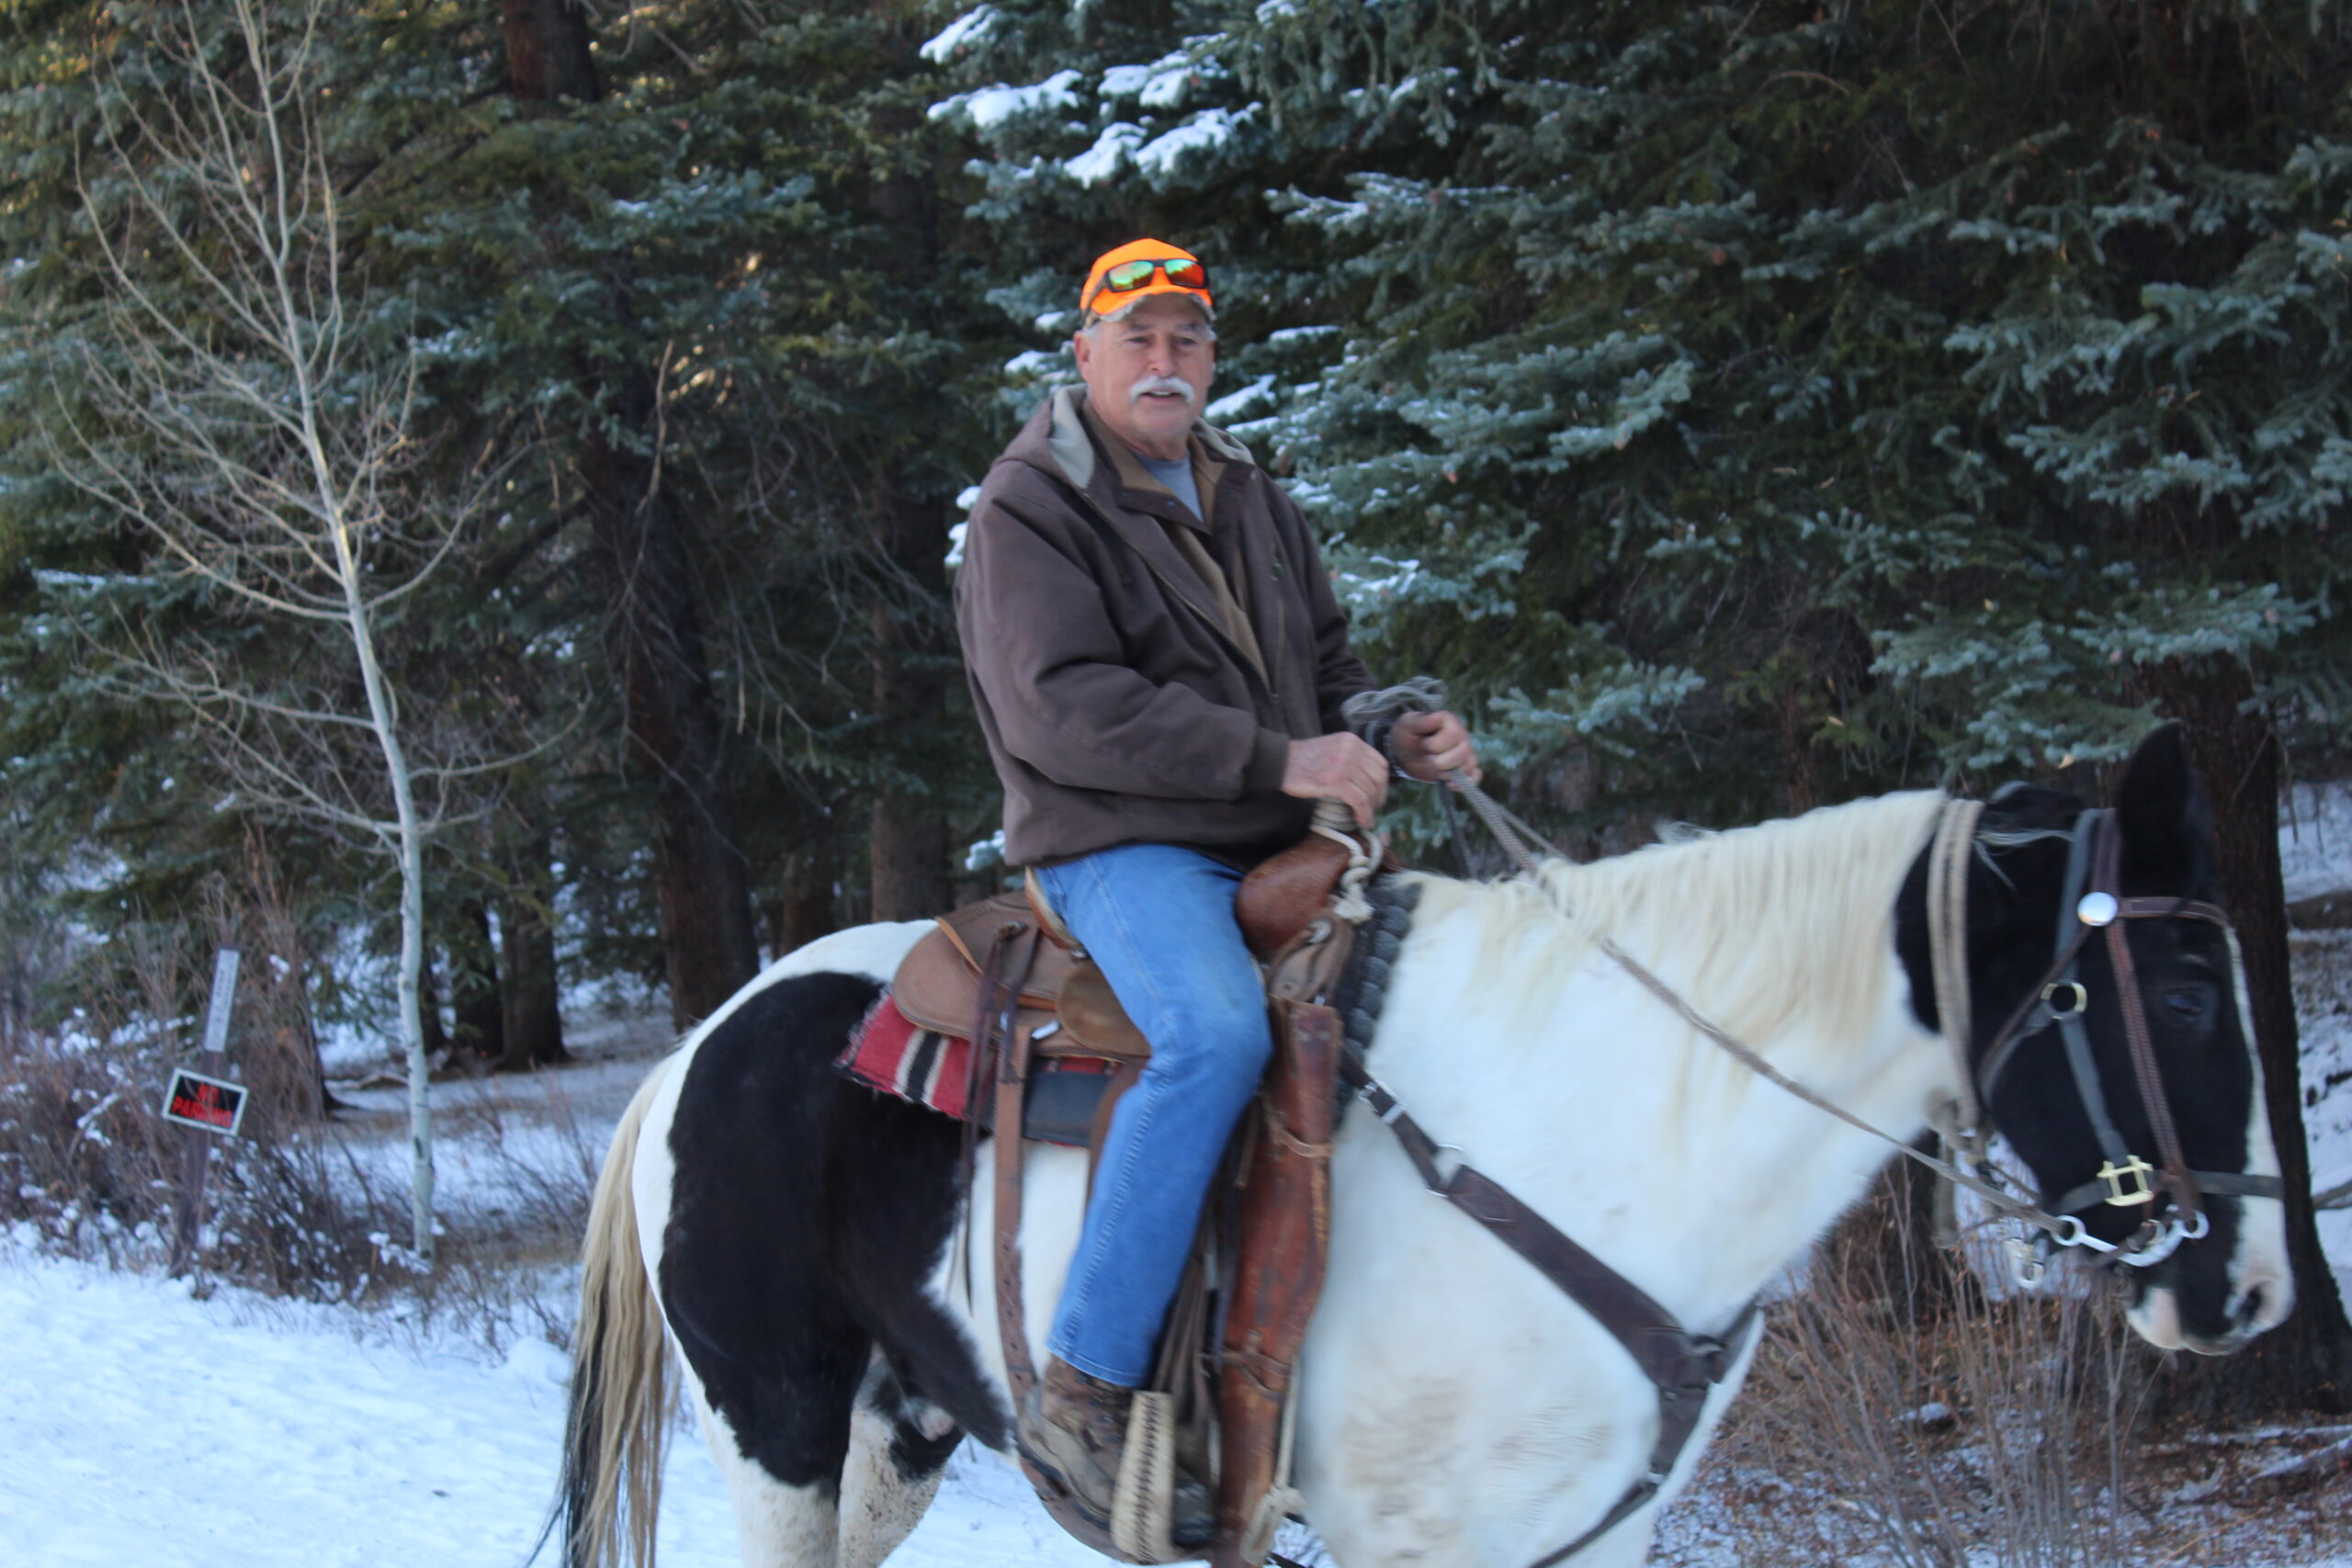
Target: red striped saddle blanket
point(892, 1052)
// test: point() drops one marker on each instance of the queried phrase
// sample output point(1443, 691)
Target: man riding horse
point(1159, 662)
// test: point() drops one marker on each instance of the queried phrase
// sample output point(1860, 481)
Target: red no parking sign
point(215, 1105)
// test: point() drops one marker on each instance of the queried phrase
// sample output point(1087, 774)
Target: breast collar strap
point(1685, 1368)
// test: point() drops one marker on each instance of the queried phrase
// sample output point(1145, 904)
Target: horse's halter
point(2093, 902)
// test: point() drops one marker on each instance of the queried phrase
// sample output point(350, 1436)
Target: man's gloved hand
point(1431, 745)
point(1342, 768)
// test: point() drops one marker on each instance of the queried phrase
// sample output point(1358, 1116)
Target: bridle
point(2091, 903)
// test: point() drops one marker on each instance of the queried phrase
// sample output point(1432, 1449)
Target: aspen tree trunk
point(407, 831)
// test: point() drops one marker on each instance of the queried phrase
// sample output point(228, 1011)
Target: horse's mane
point(1761, 929)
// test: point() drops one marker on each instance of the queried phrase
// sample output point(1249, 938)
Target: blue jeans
point(1160, 921)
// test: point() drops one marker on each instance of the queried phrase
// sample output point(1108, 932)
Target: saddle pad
point(891, 1053)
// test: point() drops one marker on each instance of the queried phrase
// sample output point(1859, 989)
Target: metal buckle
point(2026, 1266)
point(2081, 998)
point(2134, 1169)
point(2156, 1242)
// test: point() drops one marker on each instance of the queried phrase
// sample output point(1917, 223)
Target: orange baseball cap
point(1138, 270)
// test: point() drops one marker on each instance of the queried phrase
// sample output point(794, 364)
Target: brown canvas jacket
point(1117, 707)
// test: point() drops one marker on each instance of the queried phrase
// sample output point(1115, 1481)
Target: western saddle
point(1006, 976)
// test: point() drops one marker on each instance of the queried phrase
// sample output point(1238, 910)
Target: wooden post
point(196, 1149)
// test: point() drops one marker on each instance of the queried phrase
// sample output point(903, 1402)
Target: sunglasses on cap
point(1183, 272)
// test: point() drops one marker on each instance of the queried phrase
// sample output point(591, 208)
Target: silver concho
point(2097, 909)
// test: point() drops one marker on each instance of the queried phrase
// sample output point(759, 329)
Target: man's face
point(1147, 374)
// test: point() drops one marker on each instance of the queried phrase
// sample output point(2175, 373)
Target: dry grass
point(1940, 1427)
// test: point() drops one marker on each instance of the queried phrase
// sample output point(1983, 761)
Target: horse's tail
point(611, 1490)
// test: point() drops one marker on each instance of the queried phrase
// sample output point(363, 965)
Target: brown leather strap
point(994, 1036)
point(2004, 1039)
point(2107, 873)
point(1684, 1367)
point(1020, 1372)
point(2170, 909)
point(1669, 1355)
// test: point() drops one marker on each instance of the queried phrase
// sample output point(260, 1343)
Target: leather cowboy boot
point(1073, 1425)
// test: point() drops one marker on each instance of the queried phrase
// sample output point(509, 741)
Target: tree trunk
point(547, 51)
point(534, 1024)
point(675, 733)
point(804, 910)
point(912, 660)
point(475, 1006)
point(908, 846)
point(2306, 1362)
point(1799, 775)
point(909, 852)
point(673, 724)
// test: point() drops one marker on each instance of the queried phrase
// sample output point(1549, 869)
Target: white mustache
point(1150, 384)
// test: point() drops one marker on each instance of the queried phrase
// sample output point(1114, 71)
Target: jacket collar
point(1069, 452)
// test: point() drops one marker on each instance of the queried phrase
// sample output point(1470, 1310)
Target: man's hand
point(1431, 745)
point(1340, 768)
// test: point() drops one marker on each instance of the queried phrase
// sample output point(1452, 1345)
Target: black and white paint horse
point(795, 1234)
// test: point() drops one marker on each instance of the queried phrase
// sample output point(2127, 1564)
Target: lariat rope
point(1376, 713)
point(1336, 822)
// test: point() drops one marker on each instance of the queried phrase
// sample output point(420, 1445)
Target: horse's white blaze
point(2259, 1270)
point(2261, 1263)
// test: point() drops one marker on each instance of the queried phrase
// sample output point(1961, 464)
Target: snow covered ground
point(145, 1425)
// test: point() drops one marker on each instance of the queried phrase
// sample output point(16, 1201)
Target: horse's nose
point(2248, 1311)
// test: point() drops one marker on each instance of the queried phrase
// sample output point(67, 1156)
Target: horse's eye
point(2189, 1004)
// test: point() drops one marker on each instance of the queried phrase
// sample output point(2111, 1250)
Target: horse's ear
point(2161, 808)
